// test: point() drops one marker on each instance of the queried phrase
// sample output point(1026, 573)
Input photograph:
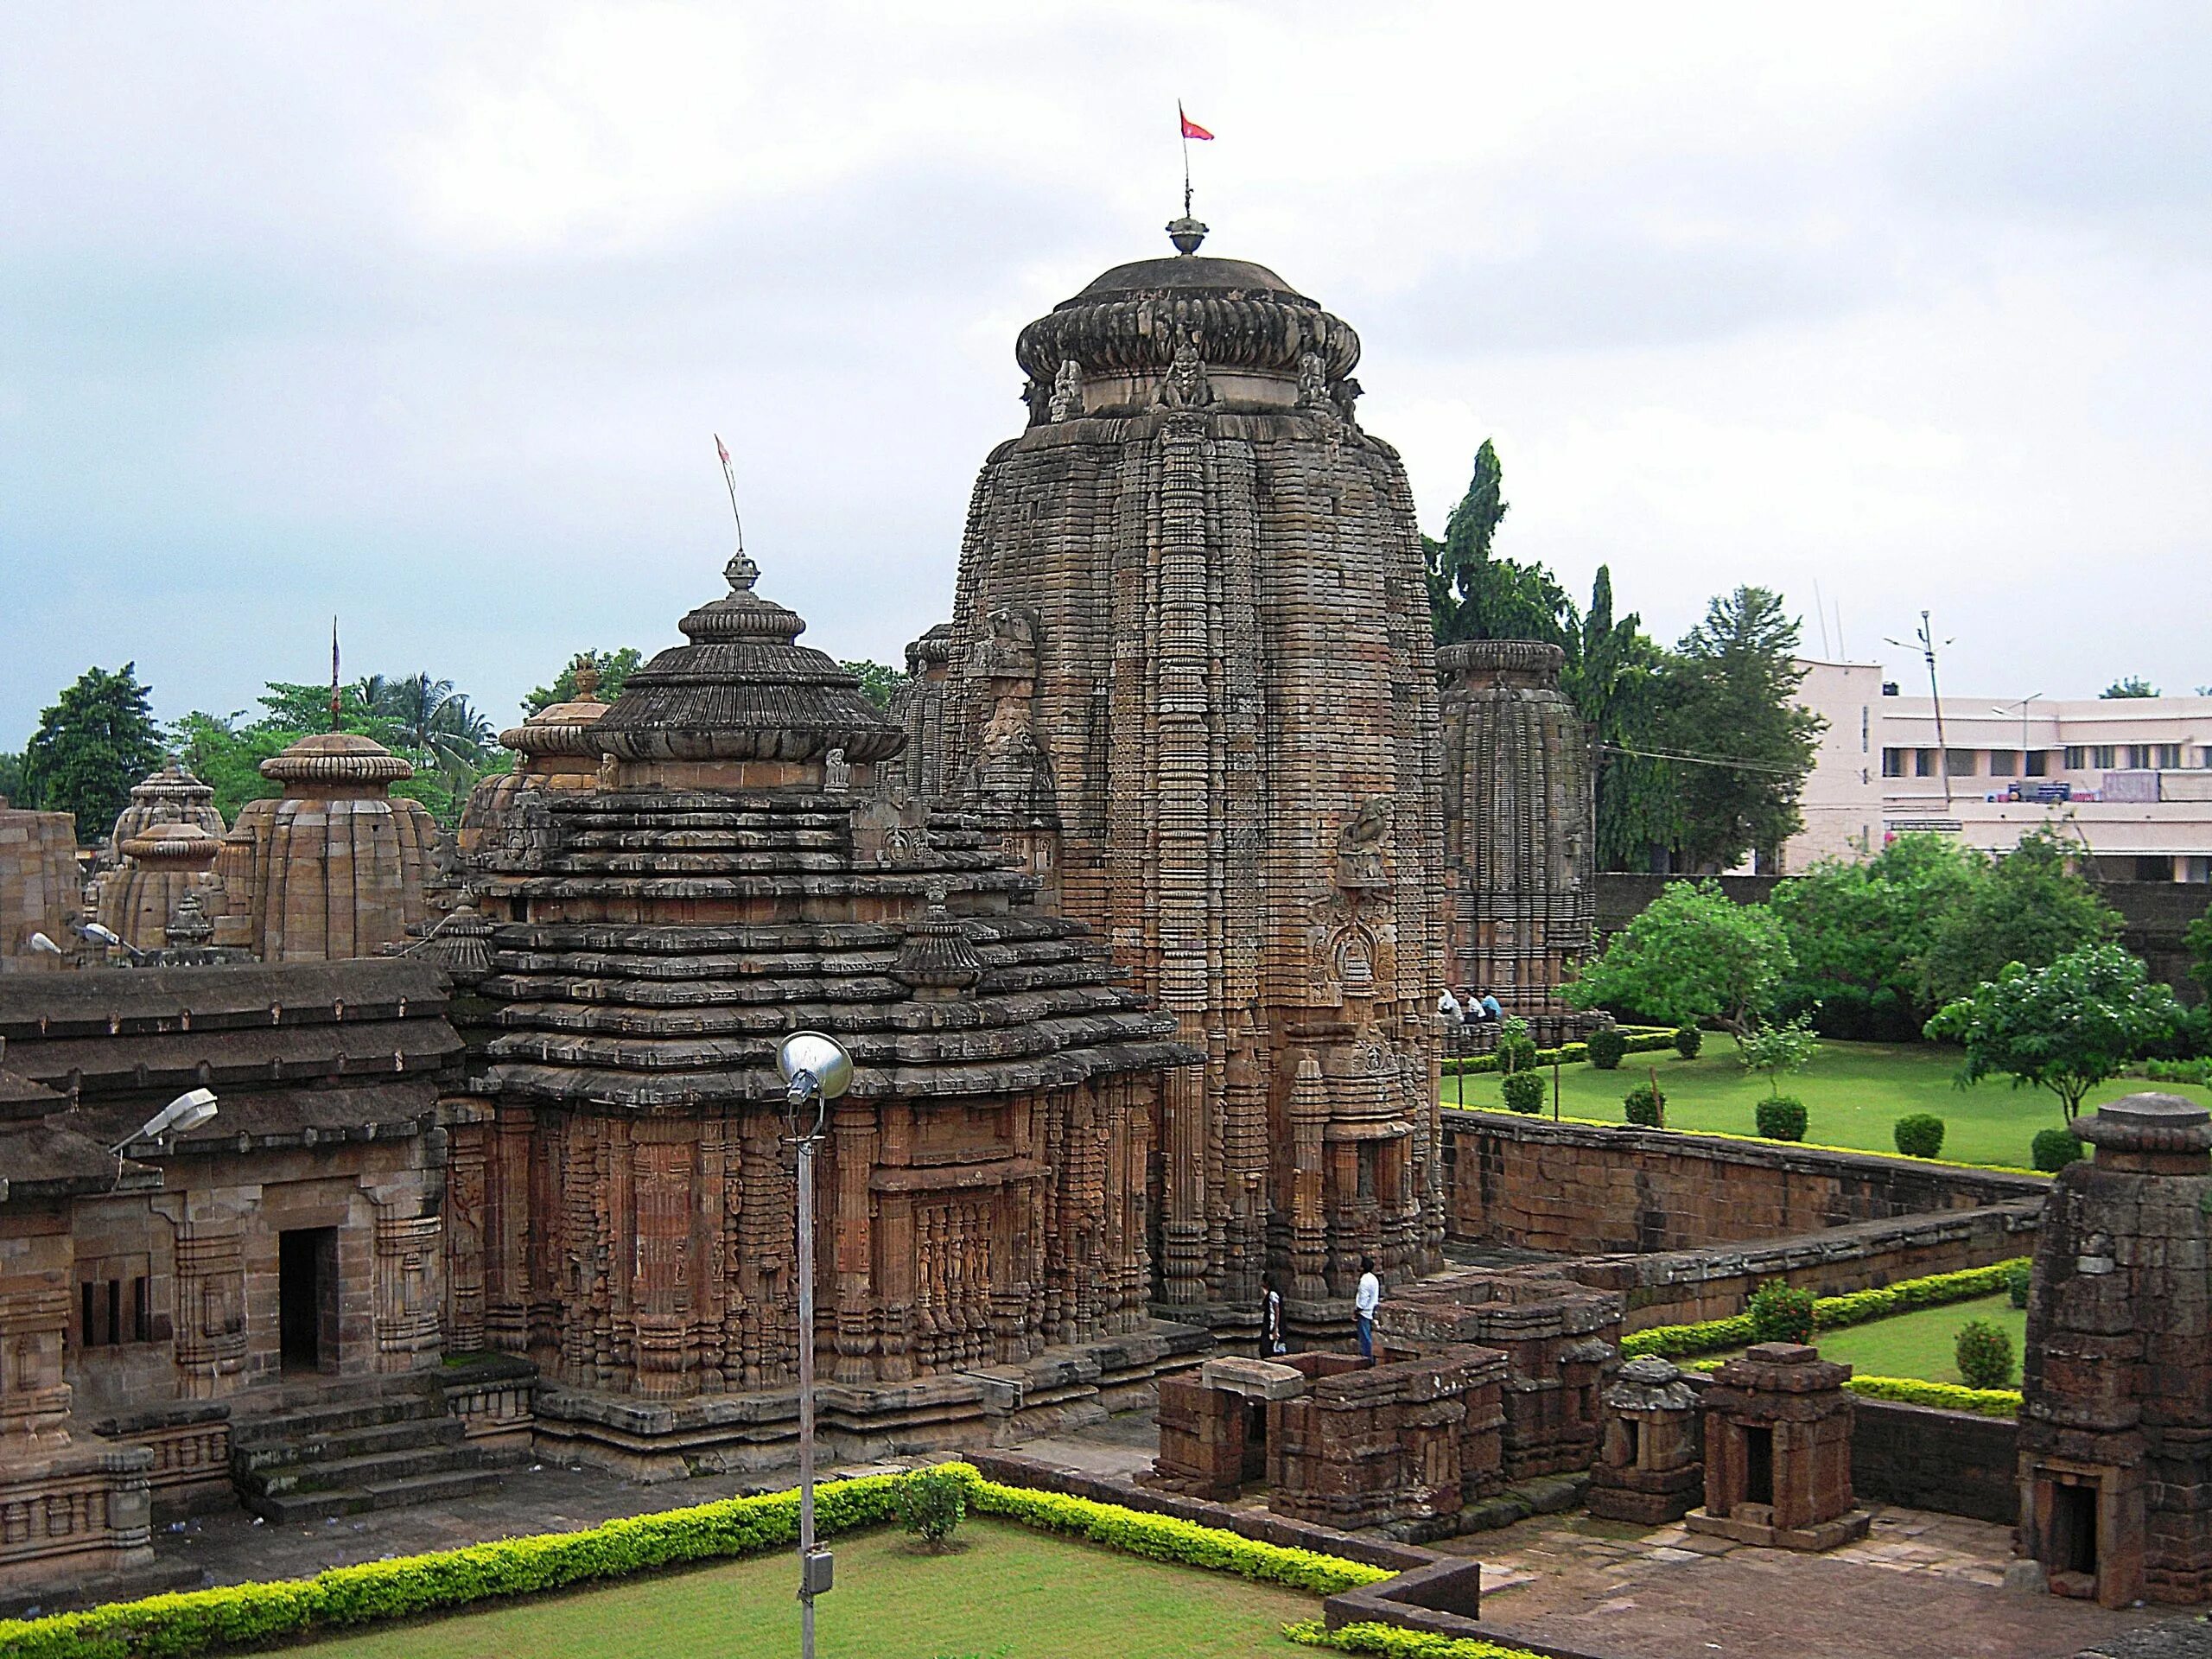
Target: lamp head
point(187, 1111)
point(41, 942)
point(104, 934)
point(813, 1064)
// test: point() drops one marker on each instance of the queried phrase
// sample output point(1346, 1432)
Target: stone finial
point(742, 571)
point(936, 959)
point(337, 757)
point(189, 927)
point(587, 678)
point(1185, 234)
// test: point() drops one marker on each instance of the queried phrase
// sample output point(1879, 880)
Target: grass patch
point(1918, 1344)
point(1012, 1593)
point(1853, 1094)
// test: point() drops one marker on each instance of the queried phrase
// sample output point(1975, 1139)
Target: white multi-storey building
point(2129, 778)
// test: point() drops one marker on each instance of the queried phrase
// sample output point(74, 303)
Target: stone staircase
point(343, 1449)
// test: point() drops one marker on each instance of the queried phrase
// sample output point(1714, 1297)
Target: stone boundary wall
point(1682, 1286)
point(1952, 1462)
point(1579, 1189)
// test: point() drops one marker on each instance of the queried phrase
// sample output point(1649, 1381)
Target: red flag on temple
point(1191, 129)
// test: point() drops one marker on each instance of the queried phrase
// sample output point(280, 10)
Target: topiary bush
point(1781, 1117)
point(1780, 1313)
point(932, 1502)
point(1646, 1106)
point(1984, 1353)
point(1524, 1092)
point(1919, 1134)
point(1688, 1040)
point(1606, 1046)
point(2053, 1149)
point(2016, 1276)
point(1516, 1049)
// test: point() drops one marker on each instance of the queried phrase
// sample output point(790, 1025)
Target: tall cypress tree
point(1475, 595)
point(91, 747)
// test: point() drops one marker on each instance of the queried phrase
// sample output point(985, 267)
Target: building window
point(2166, 757)
point(1893, 762)
point(1924, 763)
point(1865, 726)
point(2038, 764)
point(111, 1302)
point(2004, 763)
point(2135, 756)
point(2077, 758)
point(1962, 762)
point(2103, 757)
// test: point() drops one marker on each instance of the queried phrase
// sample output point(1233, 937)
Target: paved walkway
point(1919, 1586)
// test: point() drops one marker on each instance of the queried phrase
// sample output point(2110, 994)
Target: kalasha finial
point(742, 571)
point(587, 678)
point(1185, 234)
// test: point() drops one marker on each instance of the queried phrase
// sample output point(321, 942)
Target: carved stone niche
point(1777, 1452)
point(1651, 1465)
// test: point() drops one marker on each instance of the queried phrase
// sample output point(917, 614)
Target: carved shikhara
point(1520, 815)
point(1190, 684)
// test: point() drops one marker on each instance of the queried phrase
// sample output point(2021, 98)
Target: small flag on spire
point(1191, 129)
point(720, 450)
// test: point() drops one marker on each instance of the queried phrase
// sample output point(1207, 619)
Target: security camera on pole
point(815, 1070)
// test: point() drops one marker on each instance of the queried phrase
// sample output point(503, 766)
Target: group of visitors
point(1273, 1340)
point(1467, 1009)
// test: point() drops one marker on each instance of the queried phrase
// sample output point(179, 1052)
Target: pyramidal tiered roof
point(653, 943)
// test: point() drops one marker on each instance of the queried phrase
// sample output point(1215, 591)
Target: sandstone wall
point(1949, 1461)
point(1581, 1188)
point(39, 888)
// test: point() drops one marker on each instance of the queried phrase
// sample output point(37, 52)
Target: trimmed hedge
point(1605, 1047)
point(1689, 1040)
point(1395, 1643)
point(1642, 1039)
point(208, 1621)
point(1645, 1106)
point(1918, 1135)
point(1524, 1091)
point(1781, 1117)
point(2053, 1149)
point(1829, 1312)
point(1944, 1397)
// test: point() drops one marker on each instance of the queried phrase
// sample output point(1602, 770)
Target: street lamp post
point(816, 1069)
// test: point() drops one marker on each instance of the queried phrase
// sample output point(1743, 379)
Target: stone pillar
point(854, 1138)
point(2116, 1412)
point(1650, 1464)
point(1777, 1452)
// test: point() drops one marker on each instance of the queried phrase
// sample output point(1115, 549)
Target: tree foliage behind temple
point(96, 740)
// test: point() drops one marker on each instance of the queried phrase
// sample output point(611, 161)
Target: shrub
point(1780, 1313)
point(1390, 1642)
point(1984, 1353)
point(1944, 1397)
point(1646, 1106)
point(1606, 1047)
point(1516, 1049)
point(2053, 1149)
point(1688, 1040)
point(2016, 1276)
point(1524, 1091)
point(932, 1502)
point(1781, 1117)
point(1919, 1134)
point(1829, 1312)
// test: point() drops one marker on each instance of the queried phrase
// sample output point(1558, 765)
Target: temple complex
point(335, 865)
point(1190, 684)
point(621, 1194)
point(169, 795)
point(1520, 828)
point(161, 863)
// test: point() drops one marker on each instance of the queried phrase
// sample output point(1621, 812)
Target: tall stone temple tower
point(1520, 815)
point(1191, 686)
point(621, 1196)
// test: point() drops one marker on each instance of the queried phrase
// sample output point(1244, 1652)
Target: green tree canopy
point(1475, 595)
point(1779, 1049)
point(1615, 678)
point(614, 667)
point(2065, 1027)
point(1691, 954)
point(879, 682)
point(1859, 930)
point(2033, 909)
point(2197, 936)
point(1731, 699)
point(91, 747)
point(2134, 686)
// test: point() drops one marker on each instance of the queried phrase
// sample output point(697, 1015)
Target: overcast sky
point(423, 315)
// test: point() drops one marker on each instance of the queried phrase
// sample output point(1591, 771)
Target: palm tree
point(437, 723)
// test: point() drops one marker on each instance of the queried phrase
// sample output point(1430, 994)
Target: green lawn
point(1853, 1094)
point(1920, 1344)
point(1011, 1593)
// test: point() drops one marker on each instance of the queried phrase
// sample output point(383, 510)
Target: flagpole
point(1183, 127)
point(334, 719)
point(730, 478)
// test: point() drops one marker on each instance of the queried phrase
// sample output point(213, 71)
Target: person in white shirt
point(1363, 1307)
point(1447, 1007)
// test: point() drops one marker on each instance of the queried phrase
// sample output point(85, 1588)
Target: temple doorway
point(307, 1297)
point(1758, 1465)
point(2074, 1531)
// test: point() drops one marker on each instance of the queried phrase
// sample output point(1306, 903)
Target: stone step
point(320, 1421)
point(393, 1494)
point(339, 1474)
point(322, 1444)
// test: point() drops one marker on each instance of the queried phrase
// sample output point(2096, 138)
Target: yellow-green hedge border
point(1829, 1312)
point(1395, 1643)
